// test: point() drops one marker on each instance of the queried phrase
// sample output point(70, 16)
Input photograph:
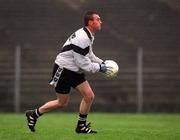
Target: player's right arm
point(81, 58)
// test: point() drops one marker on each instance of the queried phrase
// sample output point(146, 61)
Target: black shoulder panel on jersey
point(88, 33)
point(80, 50)
point(66, 48)
point(76, 49)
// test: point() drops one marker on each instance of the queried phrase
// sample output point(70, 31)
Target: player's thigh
point(85, 89)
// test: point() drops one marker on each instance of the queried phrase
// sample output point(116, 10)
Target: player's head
point(92, 20)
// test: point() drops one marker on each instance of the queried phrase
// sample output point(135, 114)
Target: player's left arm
point(93, 57)
point(84, 62)
point(83, 56)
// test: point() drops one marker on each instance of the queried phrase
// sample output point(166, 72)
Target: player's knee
point(89, 98)
point(92, 97)
point(63, 103)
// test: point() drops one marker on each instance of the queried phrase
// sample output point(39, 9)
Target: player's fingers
point(109, 71)
point(109, 68)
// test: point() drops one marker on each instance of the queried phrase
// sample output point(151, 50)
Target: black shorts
point(65, 79)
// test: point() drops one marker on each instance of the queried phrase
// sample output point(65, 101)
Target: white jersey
point(77, 55)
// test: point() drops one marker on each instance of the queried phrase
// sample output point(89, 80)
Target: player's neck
point(91, 29)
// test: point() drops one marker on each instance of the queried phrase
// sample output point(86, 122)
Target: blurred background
point(142, 36)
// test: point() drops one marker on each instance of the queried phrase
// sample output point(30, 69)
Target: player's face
point(96, 22)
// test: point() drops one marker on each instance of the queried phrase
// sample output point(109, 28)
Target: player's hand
point(105, 69)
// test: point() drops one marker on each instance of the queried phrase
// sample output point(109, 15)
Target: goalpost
point(139, 80)
point(17, 78)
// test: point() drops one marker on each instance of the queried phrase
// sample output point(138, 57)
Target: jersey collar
point(89, 34)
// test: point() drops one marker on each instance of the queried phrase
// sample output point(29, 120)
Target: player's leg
point(32, 115)
point(61, 101)
point(62, 88)
point(86, 102)
point(88, 97)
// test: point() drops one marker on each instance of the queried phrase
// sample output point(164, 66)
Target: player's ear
point(90, 22)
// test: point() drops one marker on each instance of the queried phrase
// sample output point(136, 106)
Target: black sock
point(37, 113)
point(82, 118)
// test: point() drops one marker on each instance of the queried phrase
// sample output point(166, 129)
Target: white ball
point(113, 68)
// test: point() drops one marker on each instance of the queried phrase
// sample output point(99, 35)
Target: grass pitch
point(60, 126)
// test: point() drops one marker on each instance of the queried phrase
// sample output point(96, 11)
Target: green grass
point(60, 126)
